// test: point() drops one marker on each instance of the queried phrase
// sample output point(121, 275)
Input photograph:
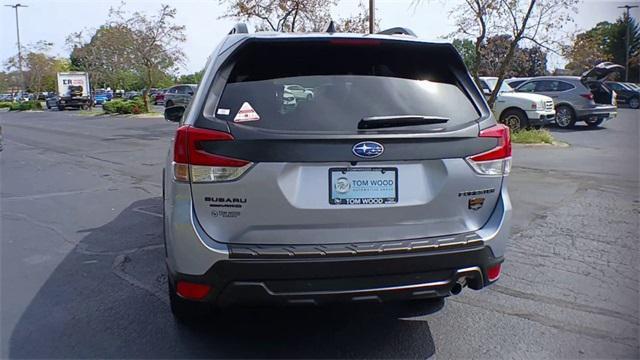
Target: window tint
point(546, 85)
point(563, 86)
point(376, 79)
point(528, 87)
point(173, 90)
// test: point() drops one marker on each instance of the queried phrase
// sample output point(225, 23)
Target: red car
point(158, 98)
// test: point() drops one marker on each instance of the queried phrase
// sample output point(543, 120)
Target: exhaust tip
point(456, 289)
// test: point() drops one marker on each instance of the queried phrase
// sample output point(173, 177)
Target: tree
point(39, 68)
point(604, 42)
point(531, 62)
point(466, 48)
point(103, 55)
point(151, 44)
point(537, 21)
point(358, 23)
point(527, 62)
point(589, 48)
point(281, 15)
point(492, 53)
point(617, 47)
point(191, 78)
point(474, 18)
point(131, 50)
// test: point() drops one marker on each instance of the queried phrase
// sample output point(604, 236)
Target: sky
point(53, 20)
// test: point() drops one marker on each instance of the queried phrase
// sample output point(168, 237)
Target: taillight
point(588, 96)
point(496, 161)
point(193, 291)
point(192, 162)
point(493, 273)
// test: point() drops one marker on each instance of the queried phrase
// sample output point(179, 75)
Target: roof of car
point(556, 77)
point(336, 35)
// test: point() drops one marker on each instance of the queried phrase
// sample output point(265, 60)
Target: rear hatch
point(594, 78)
point(374, 151)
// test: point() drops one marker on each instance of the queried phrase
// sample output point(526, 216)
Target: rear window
point(332, 85)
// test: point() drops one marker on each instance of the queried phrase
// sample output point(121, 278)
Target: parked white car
point(299, 92)
point(519, 110)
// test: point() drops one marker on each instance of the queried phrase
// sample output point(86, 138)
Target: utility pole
point(626, 53)
point(22, 84)
point(372, 16)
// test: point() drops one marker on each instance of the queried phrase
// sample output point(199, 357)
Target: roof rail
point(397, 31)
point(330, 27)
point(239, 28)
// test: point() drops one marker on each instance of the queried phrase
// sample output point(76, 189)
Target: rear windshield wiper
point(379, 122)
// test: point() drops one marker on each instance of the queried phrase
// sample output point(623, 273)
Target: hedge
point(118, 106)
point(5, 104)
point(25, 105)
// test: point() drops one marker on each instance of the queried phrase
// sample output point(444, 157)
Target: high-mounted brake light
point(192, 162)
point(355, 42)
point(496, 161)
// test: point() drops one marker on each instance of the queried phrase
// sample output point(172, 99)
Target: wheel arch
point(515, 108)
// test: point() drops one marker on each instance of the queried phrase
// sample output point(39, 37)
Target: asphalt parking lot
point(82, 271)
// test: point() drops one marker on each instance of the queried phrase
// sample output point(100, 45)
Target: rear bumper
point(364, 279)
point(379, 271)
point(596, 113)
point(74, 102)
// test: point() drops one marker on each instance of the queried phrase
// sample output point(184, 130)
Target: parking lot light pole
point(16, 6)
point(626, 53)
point(372, 16)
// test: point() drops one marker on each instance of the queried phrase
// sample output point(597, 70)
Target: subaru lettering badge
point(367, 149)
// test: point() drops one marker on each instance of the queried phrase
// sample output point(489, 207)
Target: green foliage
point(605, 42)
point(191, 78)
point(119, 106)
point(25, 105)
point(467, 50)
point(5, 104)
point(532, 136)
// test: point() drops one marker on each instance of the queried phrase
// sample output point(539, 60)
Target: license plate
point(363, 186)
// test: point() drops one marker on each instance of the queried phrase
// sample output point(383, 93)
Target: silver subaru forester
point(387, 185)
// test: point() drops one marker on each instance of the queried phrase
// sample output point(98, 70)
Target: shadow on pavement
point(576, 127)
point(107, 299)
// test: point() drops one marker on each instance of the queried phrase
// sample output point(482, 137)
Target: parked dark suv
point(387, 185)
point(179, 95)
point(627, 95)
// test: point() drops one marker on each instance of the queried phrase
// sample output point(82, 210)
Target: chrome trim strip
point(471, 269)
point(345, 292)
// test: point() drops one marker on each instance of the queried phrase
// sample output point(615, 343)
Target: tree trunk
point(507, 60)
point(145, 92)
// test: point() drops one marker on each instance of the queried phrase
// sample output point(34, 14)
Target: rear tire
point(61, 107)
point(168, 104)
point(85, 107)
point(634, 103)
point(515, 119)
point(565, 117)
